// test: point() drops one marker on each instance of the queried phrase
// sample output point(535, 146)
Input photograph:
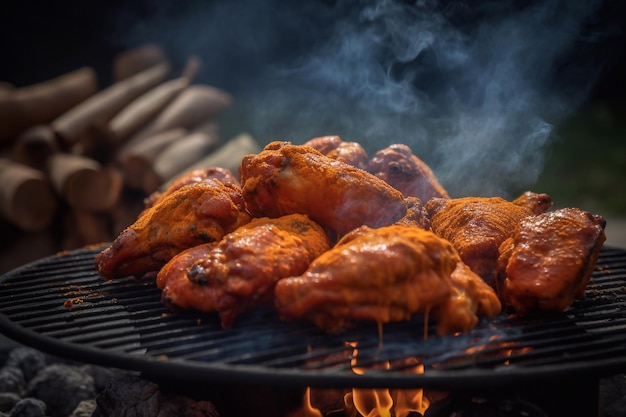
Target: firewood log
point(84, 183)
point(42, 102)
point(82, 228)
point(27, 198)
point(196, 104)
point(6, 87)
point(72, 125)
point(145, 107)
point(228, 156)
point(137, 161)
point(174, 158)
point(35, 145)
point(134, 60)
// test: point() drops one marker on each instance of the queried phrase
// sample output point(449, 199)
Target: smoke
point(475, 88)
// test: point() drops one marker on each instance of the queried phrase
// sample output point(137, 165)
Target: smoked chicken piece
point(188, 295)
point(349, 152)
point(415, 215)
point(285, 179)
point(400, 168)
point(538, 203)
point(240, 272)
point(476, 226)
point(470, 294)
point(195, 175)
point(194, 214)
point(549, 260)
point(382, 275)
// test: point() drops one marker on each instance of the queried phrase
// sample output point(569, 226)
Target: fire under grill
point(61, 305)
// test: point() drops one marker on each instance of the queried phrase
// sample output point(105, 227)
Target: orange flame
point(307, 409)
point(410, 400)
point(382, 402)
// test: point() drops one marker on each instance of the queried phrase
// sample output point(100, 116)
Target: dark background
point(40, 41)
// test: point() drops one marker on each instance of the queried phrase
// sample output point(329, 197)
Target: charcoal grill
point(62, 306)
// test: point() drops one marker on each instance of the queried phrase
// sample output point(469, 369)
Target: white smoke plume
point(474, 87)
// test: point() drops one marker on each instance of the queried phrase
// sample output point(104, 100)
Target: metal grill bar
point(62, 305)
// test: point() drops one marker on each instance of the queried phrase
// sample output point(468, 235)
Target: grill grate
point(61, 305)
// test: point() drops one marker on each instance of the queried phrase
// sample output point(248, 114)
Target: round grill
point(61, 305)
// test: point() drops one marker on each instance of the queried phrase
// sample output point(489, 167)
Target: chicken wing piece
point(471, 296)
point(284, 179)
point(399, 167)
point(240, 272)
point(415, 214)
point(549, 260)
point(476, 226)
point(385, 274)
point(349, 152)
point(181, 293)
point(195, 175)
point(538, 203)
point(194, 214)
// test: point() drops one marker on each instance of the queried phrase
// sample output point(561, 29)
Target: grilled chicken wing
point(349, 152)
point(194, 214)
point(285, 179)
point(240, 271)
point(195, 175)
point(549, 260)
point(181, 293)
point(538, 203)
point(385, 274)
point(400, 168)
point(470, 297)
point(476, 226)
point(415, 214)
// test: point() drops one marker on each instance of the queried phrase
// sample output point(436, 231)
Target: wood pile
point(76, 160)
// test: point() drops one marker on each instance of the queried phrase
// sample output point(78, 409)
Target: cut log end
point(34, 205)
point(93, 190)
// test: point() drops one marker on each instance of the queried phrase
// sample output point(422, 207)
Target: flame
point(307, 409)
point(411, 400)
point(383, 402)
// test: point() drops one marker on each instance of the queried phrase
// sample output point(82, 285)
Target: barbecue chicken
point(194, 214)
point(400, 168)
point(349, 152)
point(538, 203)
point(415, 214)
point(284, 179)
point(240, 272)
point(386, 274)
point(195, 175)
point(548, 262)
point(476, 226)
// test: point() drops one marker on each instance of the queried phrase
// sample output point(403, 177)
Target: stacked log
point(76, 160)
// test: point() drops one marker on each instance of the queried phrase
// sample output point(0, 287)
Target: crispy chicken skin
point(240, 272)
point(415, 215)
point(284, 179)
point(195, 175)
point(538, 202)
point(476, 226)
point(549, 260)
point(399, 167)
point(349, 152)
point(194, 214)
point(470, 297)
point(385, 274)
point(180, 293)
